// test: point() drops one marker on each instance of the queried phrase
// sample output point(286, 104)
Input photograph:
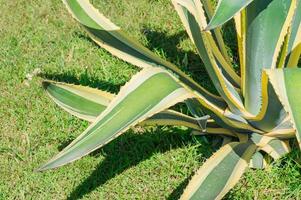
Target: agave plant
point(257, 112)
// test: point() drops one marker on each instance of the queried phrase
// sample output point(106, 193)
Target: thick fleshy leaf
point(87, 103)
point(220, 172)
point(287, 83)
point(225, 10)
point(170, 117)
point(220, 115)
point(193, 17)
point(218, 69)
point(110, 37)
point(284, 50)
point(217, 32)
point(284, 130)
point(257, 161)
point(83, 102)
point(277, 148)
point(77, 100)
point(271, 113)
point(240, 26)
point(149, 92)
point(294, 44)
point(113, 39)
point(264, 39)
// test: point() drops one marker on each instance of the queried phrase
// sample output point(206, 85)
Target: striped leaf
point(87, 103)
point(294, 44)
point(264, 39)
point(113, 39)
point(277, 148)
point(287, 83)
point(83, 102)
point(271, 113)
point(240, 26)
point(170, 117)
point(109, 36)
point(220, 172)
point(284, 130)
point(193, 17)
point(225, 10)
point(257, 161)
point(217, 32)
point(218, 69)
point(149, 92)
point(222, 117)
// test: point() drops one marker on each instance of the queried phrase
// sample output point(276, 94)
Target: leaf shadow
point(187, 60)
point(132, 148)
point(84, 79)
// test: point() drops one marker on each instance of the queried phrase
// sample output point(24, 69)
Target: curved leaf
point(113, 39)
point(148, 92)
point(294, 44)
point(257, 161)
point(263, 43)
point(217, 68)
point(83, 102)
point(240, 27)
point(287, 83)
point(220, 172)
point(217, 32)
point(225, 10)
point(277, 148)
point(87, 103)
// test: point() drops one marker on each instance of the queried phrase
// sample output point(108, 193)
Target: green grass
point(155, 163)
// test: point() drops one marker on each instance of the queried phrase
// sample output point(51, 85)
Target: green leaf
point(287, 84)
point(221, 115)
point(257, 161)
point(263, 43)
point(113, 39)
point(277, 148)
point(284, 130)
point(294, 44)
point(217, 32)
point(220, 172)
point(226, 9)
point(221, 74)
point(170, 117)
point(87, 103)
point(149, 92)
point(271, 113)
point(83, 102)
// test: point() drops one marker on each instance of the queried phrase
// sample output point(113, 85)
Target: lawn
point(149, 163)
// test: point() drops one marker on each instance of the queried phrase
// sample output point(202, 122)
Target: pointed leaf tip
point(226, 9)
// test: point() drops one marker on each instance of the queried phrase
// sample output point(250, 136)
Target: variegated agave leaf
point(87, 103)
point(163, 91)
point(256, 112)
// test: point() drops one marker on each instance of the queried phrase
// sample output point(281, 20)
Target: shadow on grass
point(176, 194)
point(131, 149)
point(84, 79)
point(188, 61)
